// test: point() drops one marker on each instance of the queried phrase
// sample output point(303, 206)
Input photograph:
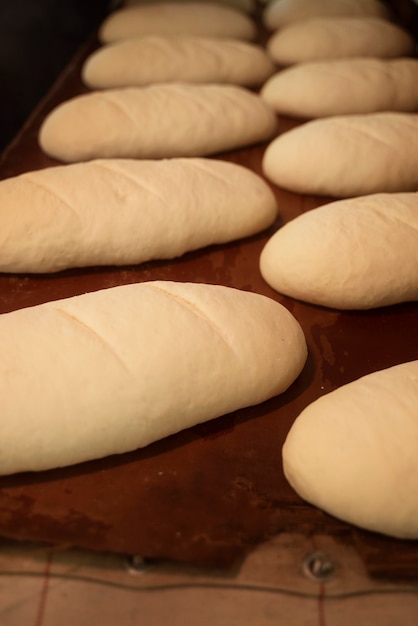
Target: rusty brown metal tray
point(206, 495)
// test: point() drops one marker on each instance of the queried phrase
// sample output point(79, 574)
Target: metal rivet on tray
point(135, 564)
point(318, 566)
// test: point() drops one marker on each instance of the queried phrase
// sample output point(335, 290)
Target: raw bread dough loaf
point(112, 371)
point(165, 120)
point(114, 212)
point(171, 18)
point(353, 452)
point(279, 13)
point(249, 6)
point(358, 253)
point(333, 38)
point(156, 59)
point(348, 155)
point(344, 86)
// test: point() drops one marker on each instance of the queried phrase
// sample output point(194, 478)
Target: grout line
point(45, 586)
point(321, 605)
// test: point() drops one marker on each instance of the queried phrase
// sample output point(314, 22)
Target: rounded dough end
point(116, 212)
point(157, 59)
point(157, 121)
point(114, 370)
point(332, 255)
point(317, 39)
point(279, 13)
point(346, 155)
point(355, 85)
point(170, 18)
point(353, 452)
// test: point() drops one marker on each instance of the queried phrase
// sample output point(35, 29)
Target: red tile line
point(321, 605)
point(45, 587)
point(321, 595)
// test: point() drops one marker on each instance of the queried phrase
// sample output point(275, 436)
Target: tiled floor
point(41, 586)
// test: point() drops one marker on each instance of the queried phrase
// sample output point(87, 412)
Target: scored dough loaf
point(279, 13)
point(353, 452)
point(358, 253)
point(318, 39)
point(249, 6)
point(111, 371)
point(170, 18)
point(344, 86)
point(164, 120)
point(114, 212)
point(348, 155)
point(156, 59)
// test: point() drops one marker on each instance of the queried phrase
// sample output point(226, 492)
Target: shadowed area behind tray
point(37, 39)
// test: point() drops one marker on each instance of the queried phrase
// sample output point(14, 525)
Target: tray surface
point(208, 494)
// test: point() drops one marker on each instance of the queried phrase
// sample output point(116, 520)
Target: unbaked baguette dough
point(347, 155)
point(333, 38)
point(172, 18)
point(158, 59)
point(279, 13)
point(344, 86)
point(353, 452)
point(358, 253)
point(114, 212)
point(165, 120)
point(249, 6)
point(112, 371)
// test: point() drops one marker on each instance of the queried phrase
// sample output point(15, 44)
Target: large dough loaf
point(159, 59)
point(358, 253)
point(249, 6)
point(344, 86)
point(112, 371)
point(165, 120)
point(318, 39)
point(347, 155)
point(120, 211)
point(177, 18)
point(353, 452)
point(279, 13)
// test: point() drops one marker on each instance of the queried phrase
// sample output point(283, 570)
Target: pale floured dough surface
point(317, 39)
point(165, 120)
point(157, 59)
point(114, 212)
point(112, 371)
point(279, 13)
point(344, 86)
point(173, 18)
point(347, 155)
point(248, 6)
point(353, 452)
point(358, 253)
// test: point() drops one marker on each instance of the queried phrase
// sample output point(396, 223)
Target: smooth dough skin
point(356, 85)
point(171, 18)
point(358, 253)
point(346, 156)
point(317, 39)
point(279, 13)
point(158, 121)
point(111, 371)
point(248, 6)
point(156, 59)
point(353, 452)
point(116, 212)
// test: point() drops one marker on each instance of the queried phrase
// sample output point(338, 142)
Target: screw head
point(318, 566)
point(135, 564)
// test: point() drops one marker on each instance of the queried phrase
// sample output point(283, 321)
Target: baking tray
point(209, 494)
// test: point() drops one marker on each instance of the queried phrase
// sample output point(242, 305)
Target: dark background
point(37, 40)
